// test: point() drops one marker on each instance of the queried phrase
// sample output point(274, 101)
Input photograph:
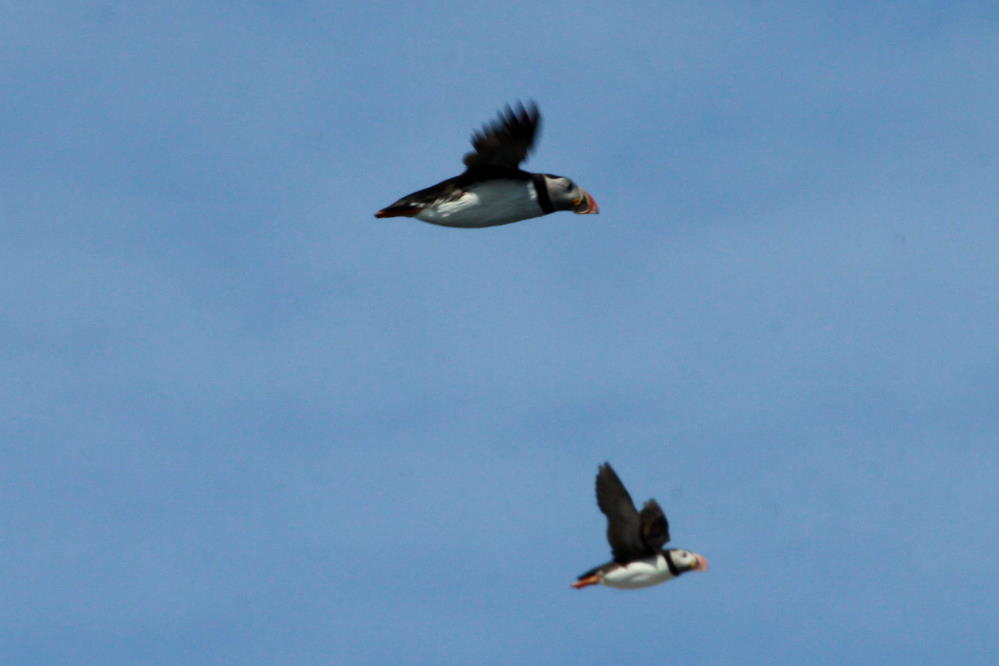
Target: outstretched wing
point(505, 142)
point(655, 527)
point(623, 524)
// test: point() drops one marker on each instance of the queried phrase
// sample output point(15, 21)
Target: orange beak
point(587, 206)
point(702, 564)
point(583, 582)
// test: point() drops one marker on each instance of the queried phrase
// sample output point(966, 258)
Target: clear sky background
point(244, 422)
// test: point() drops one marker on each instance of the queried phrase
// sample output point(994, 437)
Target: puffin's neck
point(669, 564)
point(541, 188)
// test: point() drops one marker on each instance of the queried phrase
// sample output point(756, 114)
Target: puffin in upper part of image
point(493, 189)
point(637, 541)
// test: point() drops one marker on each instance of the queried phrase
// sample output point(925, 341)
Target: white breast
point(490, 203)
point(640, 573)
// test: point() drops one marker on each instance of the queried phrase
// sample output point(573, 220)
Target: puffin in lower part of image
point(493, 189)
point(637, 541)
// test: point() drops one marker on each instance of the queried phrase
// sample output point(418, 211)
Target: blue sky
point(245, 422)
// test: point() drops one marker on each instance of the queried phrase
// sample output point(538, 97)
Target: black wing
point(623, 523)
point(655, 527)
point(505, 142)
point(413, 203)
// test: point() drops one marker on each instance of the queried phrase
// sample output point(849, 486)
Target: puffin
point(637, 540)
point(493, 189)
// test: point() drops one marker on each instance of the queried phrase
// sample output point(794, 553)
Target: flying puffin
point(636, 540)
point(494, 190)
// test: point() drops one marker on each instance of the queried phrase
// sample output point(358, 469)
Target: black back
point(499, 148)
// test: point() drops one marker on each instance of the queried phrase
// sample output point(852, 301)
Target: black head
point(684, 561)
point(567, 195)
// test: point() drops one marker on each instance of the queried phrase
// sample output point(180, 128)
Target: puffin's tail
point(398, 211)
point(585, 581)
